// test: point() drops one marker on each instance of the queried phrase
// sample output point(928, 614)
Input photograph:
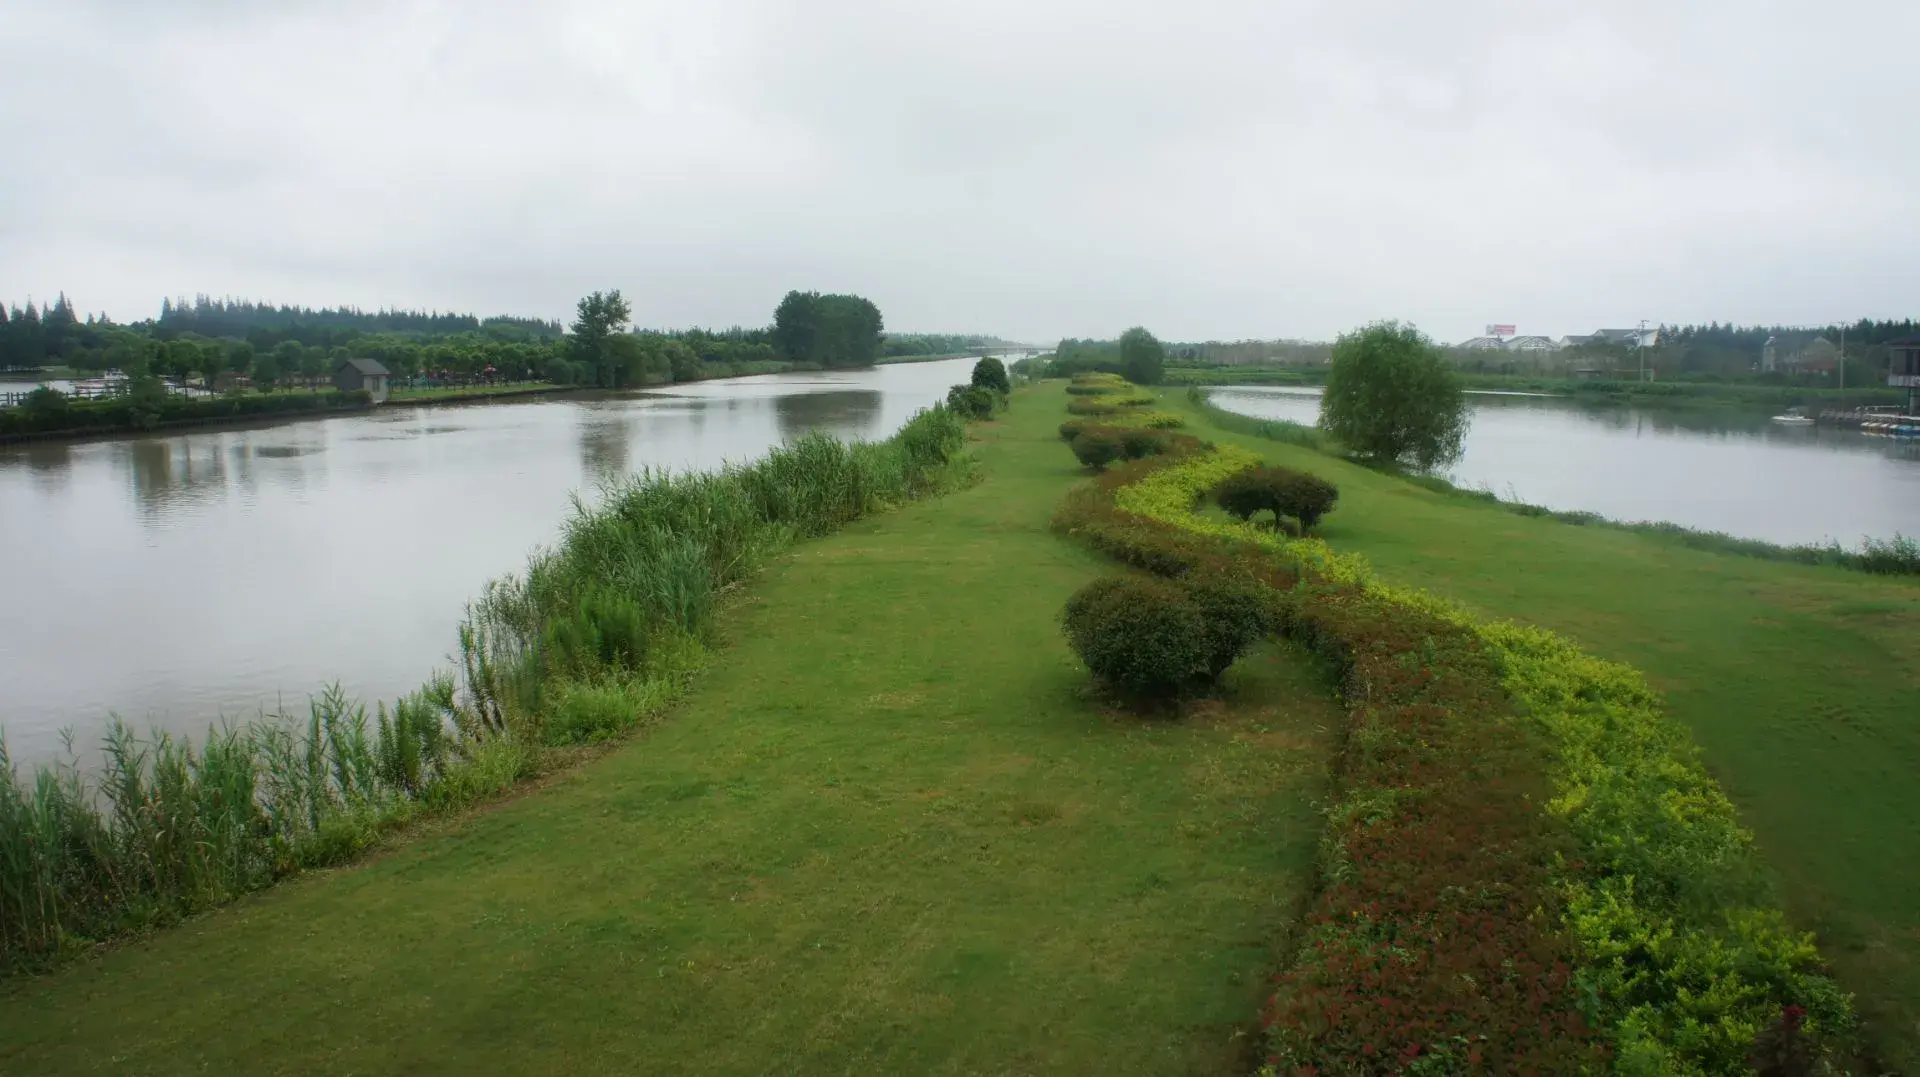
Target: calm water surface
point(174, 579)
point(1718, 471)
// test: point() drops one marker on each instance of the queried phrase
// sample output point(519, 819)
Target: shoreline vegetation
point(598, 634)
point(111, 418)
point(1598, 392)
point(1898, 555)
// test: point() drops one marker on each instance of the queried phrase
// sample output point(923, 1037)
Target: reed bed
point(596, 634)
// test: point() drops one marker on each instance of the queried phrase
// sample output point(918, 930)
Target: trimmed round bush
point(1143, 637)
point(1071, 429)
point(1278, 490)
point(1097, 448)
point(1235, 611)
point(1137, 444)
point(1306, 498)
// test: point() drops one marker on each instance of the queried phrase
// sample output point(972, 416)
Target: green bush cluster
point(1097, 445)
point(148, 406)
point(974, 401)
point(1281, 491)
point(1526, 860)
point(1155, 641)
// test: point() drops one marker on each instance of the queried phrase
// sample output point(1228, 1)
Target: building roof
point(1483, 344)
point(1531, 343)
point(1904, 342)
point(363, 366)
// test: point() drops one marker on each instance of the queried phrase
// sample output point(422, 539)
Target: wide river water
point(1717, 470)
point(174, 579)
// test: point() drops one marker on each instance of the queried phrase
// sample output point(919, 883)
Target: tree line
point(214, 342)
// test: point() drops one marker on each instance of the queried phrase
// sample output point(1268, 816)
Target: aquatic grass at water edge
point(596, 634)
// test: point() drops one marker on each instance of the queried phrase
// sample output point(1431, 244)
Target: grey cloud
point(1210, 169)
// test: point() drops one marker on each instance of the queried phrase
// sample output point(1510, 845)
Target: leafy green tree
point(240, 357)
point(828, 330)
point(288, 355)
point(796, 326)
point(1392, 397)
point(598, 319)
point(991, 373)
point(210, 361)
point(266, 370)
point(1142, 356)
point(313, 364)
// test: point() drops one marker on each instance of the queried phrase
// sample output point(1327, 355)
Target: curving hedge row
point(1527, 869)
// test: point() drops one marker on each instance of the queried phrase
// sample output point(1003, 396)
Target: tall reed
point(596, 633)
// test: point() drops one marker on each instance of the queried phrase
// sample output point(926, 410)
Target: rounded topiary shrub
point(1097, 448)
point(1305, 498)
point(1236, 612)
point(1137, 444)
point(1143, 637)
point(1071, 429)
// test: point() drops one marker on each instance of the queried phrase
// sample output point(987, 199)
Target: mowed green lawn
point(888, 833)
point(1802, 684)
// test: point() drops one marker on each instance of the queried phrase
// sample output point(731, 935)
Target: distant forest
point(217, 341)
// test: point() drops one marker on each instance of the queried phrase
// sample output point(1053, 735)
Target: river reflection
point(178, 578)
point(1718, 470)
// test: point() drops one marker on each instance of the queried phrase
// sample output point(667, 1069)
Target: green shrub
point(990, 374)
point(1161, 420)
point(1278, 490)
point(583, 712)
point(1235, 609)
point(973, 401)
point(1140, 443)
point(1071, 429)
point(1097, 405)
point(1142, 637)
point(1097, 448)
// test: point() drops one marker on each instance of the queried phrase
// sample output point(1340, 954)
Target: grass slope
point(1802, 684)
point(887, 834)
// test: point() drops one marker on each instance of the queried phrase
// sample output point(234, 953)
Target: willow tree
point(1391, 397)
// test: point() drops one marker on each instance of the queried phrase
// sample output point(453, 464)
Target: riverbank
point(120, 416)
point(1897, 555)
point(1598, 392)
point(1796, 680)
point(887, 832)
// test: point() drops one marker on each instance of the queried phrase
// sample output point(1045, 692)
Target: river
point(1712, 469)
point(174, 579)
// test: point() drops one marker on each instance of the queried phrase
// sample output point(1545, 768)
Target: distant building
point(365, 374)
point(1483, 344)
point(1533, 344)
point(1816, 356)
point(1903, 369)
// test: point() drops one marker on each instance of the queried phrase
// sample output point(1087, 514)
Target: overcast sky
point(1029, 167)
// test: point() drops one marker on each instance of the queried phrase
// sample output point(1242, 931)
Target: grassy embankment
point(888, 833)
point(1798, 681)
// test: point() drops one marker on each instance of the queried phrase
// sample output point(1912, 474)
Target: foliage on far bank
point(596, 635)
point(828, 331)
point(148, 405)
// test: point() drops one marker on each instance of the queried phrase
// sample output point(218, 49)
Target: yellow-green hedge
point(1685, 956)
